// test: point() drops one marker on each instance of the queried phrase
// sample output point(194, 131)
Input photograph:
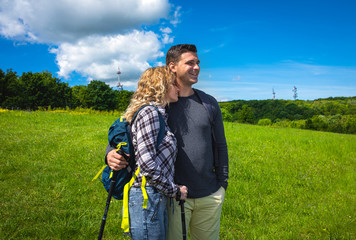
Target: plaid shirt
point(156, 164)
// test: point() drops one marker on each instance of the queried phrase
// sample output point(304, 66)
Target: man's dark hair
point(174, 53)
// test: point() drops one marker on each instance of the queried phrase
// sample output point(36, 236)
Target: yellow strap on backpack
point(102, 169)
point(125, 224)
point(97, 175)
point(144, 193)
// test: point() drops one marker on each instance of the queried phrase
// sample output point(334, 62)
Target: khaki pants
point(202, 217)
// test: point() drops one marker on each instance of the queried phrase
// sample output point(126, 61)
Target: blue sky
point(246, 48)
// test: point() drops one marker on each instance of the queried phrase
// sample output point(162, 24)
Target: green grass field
point(284, 183)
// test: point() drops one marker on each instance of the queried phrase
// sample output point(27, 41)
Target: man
point(200, 166)
point(196, 167)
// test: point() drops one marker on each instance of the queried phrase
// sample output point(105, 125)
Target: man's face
point(186, 69)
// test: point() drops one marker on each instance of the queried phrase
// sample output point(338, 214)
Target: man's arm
point(221, 160)
point(221, 155)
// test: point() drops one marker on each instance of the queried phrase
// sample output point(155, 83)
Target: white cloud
point(93, 37)
point(11, 27)
point(176, 16)
point(62, 20)
point(166, 30)
point(98, 57)
point(166, 39)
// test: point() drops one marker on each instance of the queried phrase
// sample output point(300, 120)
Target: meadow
point(284, 183)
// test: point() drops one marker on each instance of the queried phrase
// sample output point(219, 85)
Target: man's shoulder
point(210, 103)
point(205, 97)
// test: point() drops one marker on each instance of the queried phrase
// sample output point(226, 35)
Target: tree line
point(32, 91)
point(331, 114)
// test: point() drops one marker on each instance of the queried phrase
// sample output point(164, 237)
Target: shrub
point(226, 115)
point(319, 122)
point(349, 123)
point(265, 122)
point(282, 123)
point(298, 124)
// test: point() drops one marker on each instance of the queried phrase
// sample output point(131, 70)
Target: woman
point(156, 87)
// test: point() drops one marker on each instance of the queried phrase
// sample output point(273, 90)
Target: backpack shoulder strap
point(162, 124)
point(162, 129)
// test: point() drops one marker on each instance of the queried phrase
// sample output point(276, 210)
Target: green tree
point(123, 99)
point(319, 122)
point(43, 89)
point(56, 93)
point(246, 115)
point(34, 90)
point(3, 86)
point(63, 89)
point(80, 96)
point(12, 90)
point(100, 96)
point(332, 108)
point(349, 123)
point(226, 115)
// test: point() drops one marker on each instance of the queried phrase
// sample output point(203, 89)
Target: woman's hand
point(183, 192)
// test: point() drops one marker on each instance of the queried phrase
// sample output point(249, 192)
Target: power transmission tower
point(119, 85)
point(295, 95)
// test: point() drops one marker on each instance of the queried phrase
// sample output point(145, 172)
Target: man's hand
point(115, 161)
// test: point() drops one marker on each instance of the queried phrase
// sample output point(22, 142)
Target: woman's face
point(172, 93)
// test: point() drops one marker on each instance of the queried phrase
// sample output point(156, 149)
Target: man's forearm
point(108, 149)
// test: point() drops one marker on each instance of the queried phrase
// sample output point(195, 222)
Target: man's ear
point(172, 67)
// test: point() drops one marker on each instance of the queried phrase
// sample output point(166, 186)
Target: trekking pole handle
point(122, 153)
point(178, 195)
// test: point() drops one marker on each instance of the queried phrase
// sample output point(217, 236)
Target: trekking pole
point(184, 232)
point(111, 190)
point(112, 185)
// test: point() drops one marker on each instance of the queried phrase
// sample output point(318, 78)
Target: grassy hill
point(284, 183)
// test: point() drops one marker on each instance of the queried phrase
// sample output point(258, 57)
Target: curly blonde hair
point(152, 87)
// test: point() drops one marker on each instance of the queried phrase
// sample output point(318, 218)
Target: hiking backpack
point(120, 138)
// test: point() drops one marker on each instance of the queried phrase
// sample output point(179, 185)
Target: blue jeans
point(150, 223)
